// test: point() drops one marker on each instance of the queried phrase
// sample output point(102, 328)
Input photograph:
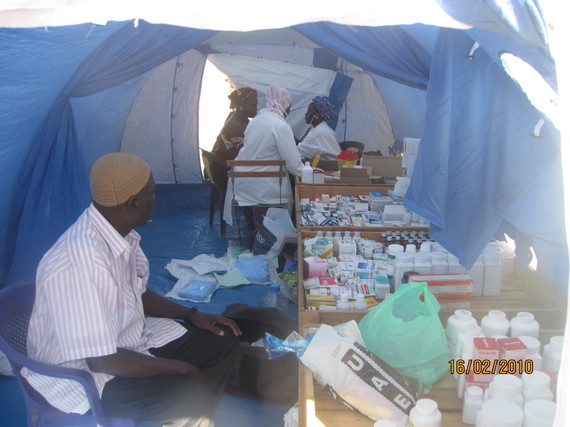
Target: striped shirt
point(88, 304)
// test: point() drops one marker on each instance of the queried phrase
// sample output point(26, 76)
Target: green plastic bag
point(406, 333)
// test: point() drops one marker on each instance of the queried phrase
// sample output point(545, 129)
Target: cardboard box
point(355, 175)
point(485, 349)
point(385, 166)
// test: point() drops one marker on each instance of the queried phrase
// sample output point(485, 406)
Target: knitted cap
point(116, 177)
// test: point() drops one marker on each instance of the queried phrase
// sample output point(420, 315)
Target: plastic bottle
point(411, 248)
point(495, 323)
point(493, 276)
point(536, 385)
point(425, 247)
point(343, 304)
point(552, 354)
point(425, 414)
point(499, 413)
point(329, 236)
point(393, 249)
point(471, 330)
point(337, 238)
point(532, 351)
point(539, 413)
point(404, 261)
point(455, 324)
point(506, 386)
point(356, 236)
point(347, 236)
point(467, 352)
point(439, 264)
point(454, 267)
point(524, 323)
point(307, 174)
point(422, 263)
point(477, 274)
point(360, 304)
point(472, 402)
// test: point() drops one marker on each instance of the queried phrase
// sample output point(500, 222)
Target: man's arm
point(158, 306)
point(127, 363)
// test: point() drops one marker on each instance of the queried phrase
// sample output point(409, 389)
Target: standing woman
point(267, 137)
point(243, 102)
point(321, 138)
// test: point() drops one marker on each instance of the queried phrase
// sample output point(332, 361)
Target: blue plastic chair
point(16, 302)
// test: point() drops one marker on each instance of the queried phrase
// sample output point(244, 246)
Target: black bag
point(255, 374)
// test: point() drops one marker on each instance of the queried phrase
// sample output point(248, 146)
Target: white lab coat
point(320, 140)
point(268, 136)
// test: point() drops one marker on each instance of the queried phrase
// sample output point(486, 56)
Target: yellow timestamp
point(491, 367)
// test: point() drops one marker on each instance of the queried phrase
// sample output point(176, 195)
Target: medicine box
point(485, 351)
point(511, 348)
point(452, 291)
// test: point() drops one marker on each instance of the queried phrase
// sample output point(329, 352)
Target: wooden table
point(524, 291)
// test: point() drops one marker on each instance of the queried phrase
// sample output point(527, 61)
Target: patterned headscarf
point(277, 100)
point(326, 109)
point(239, 95)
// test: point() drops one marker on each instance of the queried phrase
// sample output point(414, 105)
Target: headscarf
point(116, 177)
point(277, 100)
point(240, 95)
point(326, 109)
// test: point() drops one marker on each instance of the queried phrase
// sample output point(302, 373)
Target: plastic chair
point(215, 169)
point(16, 303)
point(353, 146)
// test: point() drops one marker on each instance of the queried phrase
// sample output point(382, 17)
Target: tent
point(479, 82)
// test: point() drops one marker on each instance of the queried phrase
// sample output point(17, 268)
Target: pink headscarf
point(277, 100)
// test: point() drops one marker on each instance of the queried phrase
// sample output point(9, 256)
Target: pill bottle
point(439, 263)
point(425, 414)
point(307, 174)
point(343, 304)
point(455, 324)
point(532, 351)
point(422, 263)
point(539, 413)
point(360, 304)
point(552, 354)
point(524, 323)
point(499, 413)
point(495, 323)
point(472, 402)
point(536, 385)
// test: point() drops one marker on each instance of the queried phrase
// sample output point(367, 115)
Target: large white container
point(439, 263)
point(506, 386)
point(454, 267)
point(532, 351)
point(477, 274)
point(552, 354)
point(422, 263)
point(499, 413)
point(493, 276)
point(539, 413)
point(495, 323)
point(536, 385)
point(393, 250)
point(307, 174)
point(524, 323)
point(404, 262)
point(455, 324)
point(472, 402)
point(425, 414)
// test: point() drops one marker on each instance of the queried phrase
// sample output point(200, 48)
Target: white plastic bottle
point(455, 324)
point(469, 331)
point(343, 304)
point(393, 250)
point(532, 351)
point(472, 402)
point(422, 263)
point(524, 323)
point(454, 267)
point(536, 385)
point(360, 304)
point(411, 248)
point(329, 236)
point(425, 414)
point(336, 238)
point(357, 237)
point(539, 413)
point(493, 276)
point(404, 262)
point(495, 323)
point(347, 236)
point(499, 413)
point(506, 386)
point(552, 354)
point(439, 264)
point(307, 174)
point(477, 274)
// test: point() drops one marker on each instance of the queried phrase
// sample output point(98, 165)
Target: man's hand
point(209, 321)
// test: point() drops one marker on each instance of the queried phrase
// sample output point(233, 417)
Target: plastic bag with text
point(356, 377)
point(405, 331)
point(276, 229)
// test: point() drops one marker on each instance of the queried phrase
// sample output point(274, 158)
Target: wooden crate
point(317, 408)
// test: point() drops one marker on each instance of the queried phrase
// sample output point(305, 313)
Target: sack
point(255, 374)
point(276, 229)
point(357, 378)
point(405, 332)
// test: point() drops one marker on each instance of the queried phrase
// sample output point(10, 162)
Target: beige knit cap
point(116, 177)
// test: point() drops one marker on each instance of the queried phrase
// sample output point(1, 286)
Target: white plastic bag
point(359, 379)
point(276, 230)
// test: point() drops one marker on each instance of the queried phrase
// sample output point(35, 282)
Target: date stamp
point(491, 367)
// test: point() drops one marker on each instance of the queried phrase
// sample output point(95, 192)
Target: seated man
point(320, 138)
point(94, 312)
